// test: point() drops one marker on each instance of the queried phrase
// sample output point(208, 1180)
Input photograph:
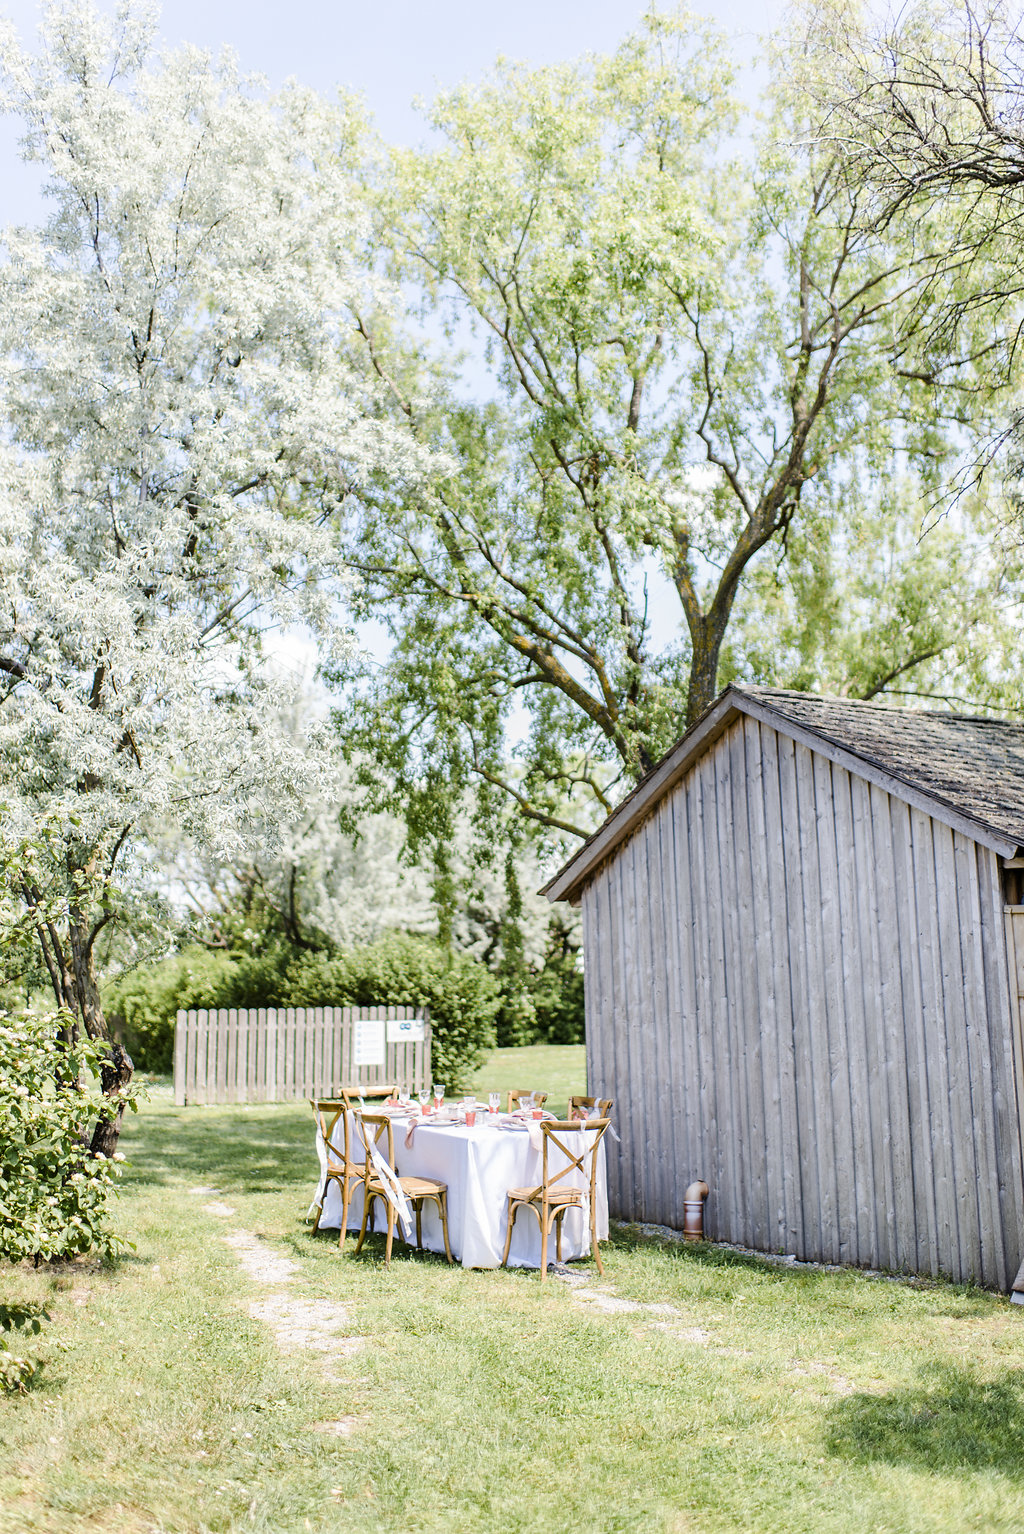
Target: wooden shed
point(804, 950)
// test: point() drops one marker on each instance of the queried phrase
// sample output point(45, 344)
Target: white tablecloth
point(479, 1166)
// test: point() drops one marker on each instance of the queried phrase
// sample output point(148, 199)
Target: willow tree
point(185, 405)
point(684, 351)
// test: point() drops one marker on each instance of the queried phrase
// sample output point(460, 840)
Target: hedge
point(460, 992)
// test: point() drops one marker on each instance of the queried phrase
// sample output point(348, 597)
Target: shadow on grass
point(951, 1423)
point(246, 1150)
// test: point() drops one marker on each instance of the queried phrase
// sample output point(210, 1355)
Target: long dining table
point(479, 1164)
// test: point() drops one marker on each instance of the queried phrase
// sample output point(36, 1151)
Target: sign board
point(405, 1030)
point(368, 1042)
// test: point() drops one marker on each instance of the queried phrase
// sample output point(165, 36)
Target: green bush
point(20, 1359)
point(141, 1004)
point(461, 993)
point(557, 995)
point(398, 970)
point(53, 1193)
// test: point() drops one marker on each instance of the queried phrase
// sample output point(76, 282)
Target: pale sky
point(390, 51)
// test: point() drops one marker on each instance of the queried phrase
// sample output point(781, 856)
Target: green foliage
point(141, 1004)
point(461, 993)
point(20, 1361)
point(53, 1192)
point(398, 970)
point(556, 990)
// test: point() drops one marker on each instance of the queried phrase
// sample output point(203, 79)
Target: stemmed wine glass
point(438, 1095)
point(404, 1100)
point(424, 1099)
point(493, 1102)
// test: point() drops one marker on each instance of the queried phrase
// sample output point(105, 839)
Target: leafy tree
point(690, 354)
point(927, 111)
point(187, 401)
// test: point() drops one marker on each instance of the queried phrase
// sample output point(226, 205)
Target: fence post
point(180, 1056)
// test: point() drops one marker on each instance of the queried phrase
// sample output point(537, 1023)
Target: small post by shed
point(804, 962)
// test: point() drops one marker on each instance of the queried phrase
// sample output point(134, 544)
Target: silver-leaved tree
point(185, 406)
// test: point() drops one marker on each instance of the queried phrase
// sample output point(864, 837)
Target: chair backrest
point(584, 1161)
point(370, 1128)
point(368, 1094)
point(604, 1106)
point(328, 1111)
point(540, 1098)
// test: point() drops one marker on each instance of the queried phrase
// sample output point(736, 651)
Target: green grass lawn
point(765, 1398)
point(560, 1070)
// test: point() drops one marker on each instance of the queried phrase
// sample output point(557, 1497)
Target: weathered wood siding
point(797, 988)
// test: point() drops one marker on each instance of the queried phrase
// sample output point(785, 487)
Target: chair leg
point(346, 1197)
point(319, 1210)
point(559, 1217)
point(545, 1227)
point(442, 1204)
point(419, 1223)
point(593, 1239)
point(391, 1233)
point(367, 1205)
point(513, 1210)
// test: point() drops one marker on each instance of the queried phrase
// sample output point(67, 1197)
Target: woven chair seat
point(412, 1187)
point(555, 1195)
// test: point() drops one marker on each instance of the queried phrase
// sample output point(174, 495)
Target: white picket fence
point(277, 1054)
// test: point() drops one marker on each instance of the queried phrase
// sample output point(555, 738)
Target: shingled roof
point(966, 770)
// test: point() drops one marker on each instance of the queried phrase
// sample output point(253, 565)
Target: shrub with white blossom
point(53, 1191)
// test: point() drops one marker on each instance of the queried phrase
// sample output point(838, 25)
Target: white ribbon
point(393, 1191)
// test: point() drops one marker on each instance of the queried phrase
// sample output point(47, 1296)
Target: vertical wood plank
point(925, 1218)
point(180, 1057)
point(777, 985)
point(744, 775)
point(955, 1028)
point(231, 1059)
point(222, 1055)
point(891, 925)
point(940, 1128)
point(990, 1266)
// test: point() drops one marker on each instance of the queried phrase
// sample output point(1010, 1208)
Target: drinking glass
point(403, 1099)
point(526, 1102)
point(493, 1101)
point(424, 1100)
point(438, 1095)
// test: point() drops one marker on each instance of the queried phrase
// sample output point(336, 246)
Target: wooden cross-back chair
point(371, 1128)
point(332, 1116)
point(377, 1094)
point(540, 1098)
point(554, 1197)
point(604, 1106)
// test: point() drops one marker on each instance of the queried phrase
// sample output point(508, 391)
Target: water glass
point(493, 1102)
point(424, 1100)
point(438, 1095)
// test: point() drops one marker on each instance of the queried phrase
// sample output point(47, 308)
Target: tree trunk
point(117, 1069)
point(706, 637)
